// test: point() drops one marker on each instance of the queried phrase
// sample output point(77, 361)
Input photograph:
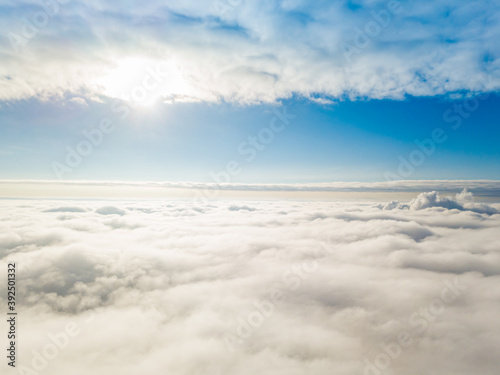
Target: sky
point(212, 187)
point(249, 92)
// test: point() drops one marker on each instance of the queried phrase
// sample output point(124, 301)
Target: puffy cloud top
point(463, 201)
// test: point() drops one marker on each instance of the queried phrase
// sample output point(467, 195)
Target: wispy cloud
point(491, 186)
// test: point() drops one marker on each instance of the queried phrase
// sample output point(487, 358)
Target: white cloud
point(254, 51)
point(166, 283)
point(463, 201)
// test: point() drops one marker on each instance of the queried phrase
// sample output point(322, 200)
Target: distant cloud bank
point(8, 188)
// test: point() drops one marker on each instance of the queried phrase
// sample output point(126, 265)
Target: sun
point(143, 81)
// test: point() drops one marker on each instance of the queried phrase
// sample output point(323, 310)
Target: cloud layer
point(239, 287)
point(479, 187)
point(247, 51)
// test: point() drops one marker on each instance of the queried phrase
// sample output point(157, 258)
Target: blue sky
point(194, 80)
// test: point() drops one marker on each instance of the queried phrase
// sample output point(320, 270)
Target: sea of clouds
point(248, 287)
